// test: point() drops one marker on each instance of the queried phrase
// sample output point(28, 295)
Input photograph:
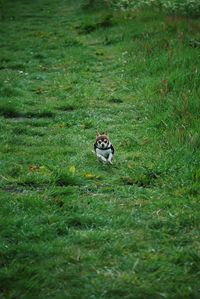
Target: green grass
point(70, 226)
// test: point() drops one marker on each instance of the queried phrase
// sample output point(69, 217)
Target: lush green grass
point(70, 226)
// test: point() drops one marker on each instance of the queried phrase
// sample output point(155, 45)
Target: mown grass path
point(70, 226)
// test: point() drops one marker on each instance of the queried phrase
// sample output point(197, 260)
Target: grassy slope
point(71, 227)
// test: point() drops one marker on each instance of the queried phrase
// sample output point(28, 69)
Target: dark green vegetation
point(70, 226)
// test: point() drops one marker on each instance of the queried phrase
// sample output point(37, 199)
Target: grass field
point(70, 226)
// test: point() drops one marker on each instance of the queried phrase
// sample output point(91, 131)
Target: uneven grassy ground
point(70, 226)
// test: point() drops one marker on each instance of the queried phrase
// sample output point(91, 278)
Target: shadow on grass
point(8, 110)
point(87, 28)
point(11, 109)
